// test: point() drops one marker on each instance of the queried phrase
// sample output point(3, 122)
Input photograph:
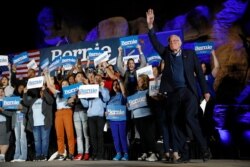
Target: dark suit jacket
point(191, 67)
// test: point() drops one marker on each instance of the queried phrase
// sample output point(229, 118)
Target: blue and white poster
point(110, 46)
point(70, 90)
point(11, 102)
point(116, 112)
point(4, 61)
point(21, 58)
point(202, 48)
point(137, 100)
point(129, 42)
point(45, 63)
point(92, 54)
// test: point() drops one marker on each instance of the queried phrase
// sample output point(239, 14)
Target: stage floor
point(109, 163)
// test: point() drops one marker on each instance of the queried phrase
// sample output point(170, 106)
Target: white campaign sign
point(154, 87)
point(32, 64)
point(101, 58)
point(88, 91)
point(135, 57)
point(145, 70)
point(112, 61)
point(36, 82)
point(4, 61)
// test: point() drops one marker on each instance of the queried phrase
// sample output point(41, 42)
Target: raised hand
point(150, 18)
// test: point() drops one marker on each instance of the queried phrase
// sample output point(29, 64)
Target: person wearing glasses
point(178, 82)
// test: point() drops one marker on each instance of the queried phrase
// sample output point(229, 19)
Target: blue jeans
point(81, 127)
point(21, 141)
point(41, 138)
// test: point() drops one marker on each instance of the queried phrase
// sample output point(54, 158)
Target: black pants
point(184, 99)
point(96, 125)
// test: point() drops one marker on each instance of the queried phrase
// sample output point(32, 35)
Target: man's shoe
point(206, 155)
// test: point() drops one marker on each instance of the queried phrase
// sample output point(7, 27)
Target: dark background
point(19, 28)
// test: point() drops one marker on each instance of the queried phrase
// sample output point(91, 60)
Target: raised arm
point(152, 37)
point(216, 65)
point(120, 66)
point(123, 90)
point(143, 62)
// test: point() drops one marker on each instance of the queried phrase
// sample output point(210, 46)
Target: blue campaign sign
point(69, 60)
point(92, 54)
point(44, 63)
point(11, 102)
point(55, 64)
point(203, 47)
point(110, 46)
point(21, 58)
point(154, 59)
point(129, 42)
point(137, 100)
point(70, 90)
point(116, 112)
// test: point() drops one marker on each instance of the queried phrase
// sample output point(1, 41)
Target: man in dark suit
point(182, 68)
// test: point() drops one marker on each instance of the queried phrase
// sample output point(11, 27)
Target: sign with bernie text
point(88, 91)
point(137, 100)
point(55, 64)
point(134, 57)
point(129, 42)
point(154, 87)
point(32, 64)
point(92, 54)
point(203, 47)
point(70, 90)
point(145, 70)
point(21, 58)
point(44, 63)
point(101, 58)
point(113, 61)
point(4, 61)
point(36, 82)
point(11, 102)
point(111, 45)
point(116, 112)
point(154, 59)
point(68, 62)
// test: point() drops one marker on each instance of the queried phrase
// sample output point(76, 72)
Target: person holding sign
point(116, 114)
point(63, 120)
point(179, 83)
point(80, 122)
point(4, 130)
point(96, 107)
point(18, 122)
point(6, 83)
point(40, 120)
point(128, 71)
point(139, 105)
point(207, 121)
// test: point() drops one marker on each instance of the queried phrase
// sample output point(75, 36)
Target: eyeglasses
point(174, 41)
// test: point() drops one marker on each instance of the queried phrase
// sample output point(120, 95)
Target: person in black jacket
point(179, 84)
